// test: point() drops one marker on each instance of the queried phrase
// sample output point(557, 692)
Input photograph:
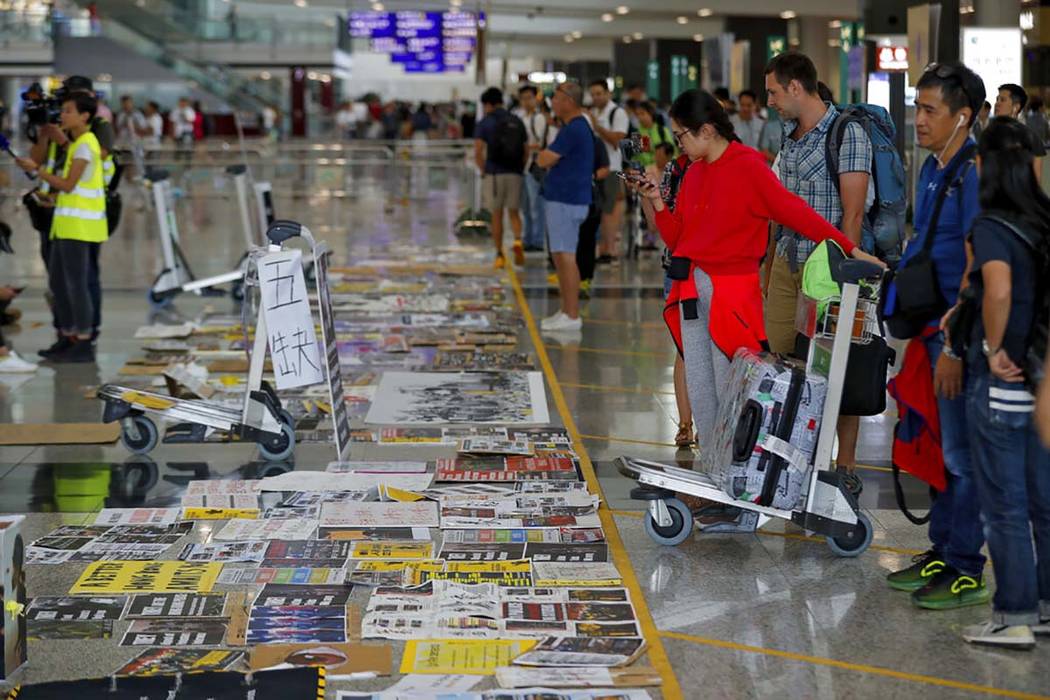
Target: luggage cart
point(261, 419)
point(826, 507)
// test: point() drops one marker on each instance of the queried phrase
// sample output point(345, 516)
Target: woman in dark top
point(1007, 248)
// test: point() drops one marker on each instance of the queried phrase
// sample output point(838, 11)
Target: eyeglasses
point(679, 134)
point(945, 71)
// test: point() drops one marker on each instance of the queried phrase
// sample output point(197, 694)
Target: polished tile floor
point(763, 615)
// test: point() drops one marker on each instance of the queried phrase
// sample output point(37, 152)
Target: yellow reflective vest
point(80, 215)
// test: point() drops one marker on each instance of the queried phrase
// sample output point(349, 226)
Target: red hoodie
point(721, 223)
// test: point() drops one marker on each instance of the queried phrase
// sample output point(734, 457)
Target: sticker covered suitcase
point(766, 430)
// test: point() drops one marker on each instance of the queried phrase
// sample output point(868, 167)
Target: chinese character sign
point(289, 324)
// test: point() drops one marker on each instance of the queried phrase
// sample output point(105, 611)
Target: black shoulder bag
point(919, 298)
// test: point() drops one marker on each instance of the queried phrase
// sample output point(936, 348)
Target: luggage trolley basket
point(261, 418)
point(775, 431)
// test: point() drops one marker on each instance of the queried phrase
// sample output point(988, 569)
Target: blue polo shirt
point(957, 214)
point(569, 181)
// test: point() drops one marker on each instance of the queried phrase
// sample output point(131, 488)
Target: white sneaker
point(561, 322)
point(1010, 636)
point(12, 363)
point(546, 323)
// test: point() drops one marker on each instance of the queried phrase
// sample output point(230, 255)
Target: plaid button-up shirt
point(804, 171)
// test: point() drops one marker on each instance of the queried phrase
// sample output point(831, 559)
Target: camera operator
point(50, 144)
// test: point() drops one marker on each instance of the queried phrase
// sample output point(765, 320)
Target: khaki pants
point(781, 300)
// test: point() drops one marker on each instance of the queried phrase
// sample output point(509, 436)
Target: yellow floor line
point(606, 351)
point(656, 653)
point(859, 668)
point(630, 441)
point(618, 389)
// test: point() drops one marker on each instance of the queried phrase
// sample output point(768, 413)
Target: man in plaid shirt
point(791, 88)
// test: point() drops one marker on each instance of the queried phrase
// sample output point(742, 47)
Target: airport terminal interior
point(479, 350)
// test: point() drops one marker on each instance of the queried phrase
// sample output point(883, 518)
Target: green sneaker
point(919, 573)
point(949, 589)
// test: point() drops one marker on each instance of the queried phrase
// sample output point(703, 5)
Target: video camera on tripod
point(41, 108)
point(632, 146)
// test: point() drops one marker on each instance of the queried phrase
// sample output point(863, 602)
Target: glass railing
point(32, 27)
point(270, 31)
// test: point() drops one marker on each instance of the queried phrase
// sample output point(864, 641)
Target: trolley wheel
point(147, 439)
point(680, 528)
point(237, 292)
point(279, 449)
point(285, 416)
point(158, 300)
point(856, 541)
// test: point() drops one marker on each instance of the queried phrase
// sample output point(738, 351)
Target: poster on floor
point(422, 398)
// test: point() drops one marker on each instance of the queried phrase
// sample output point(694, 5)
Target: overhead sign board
point(420, 42)
point(891, 59)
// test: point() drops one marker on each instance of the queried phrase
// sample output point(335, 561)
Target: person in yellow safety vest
point(79, 221)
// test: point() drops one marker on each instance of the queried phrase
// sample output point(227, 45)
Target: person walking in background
point(1035, 118)
point(182, 120)
point(1008, 247)
point(537, 130)
point(654, 132)
point(10, 362)
point(611, 123)
point(501, 152)
point(1011, 101)
point(566, 197)
point(747, 123)
point(79, 222)
point(950, 574)
point(129, 122)
point(791, 88)
point(153, 126)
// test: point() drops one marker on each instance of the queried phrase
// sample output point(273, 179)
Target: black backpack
point(509, 139)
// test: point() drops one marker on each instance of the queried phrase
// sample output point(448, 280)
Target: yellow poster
point(395, 551)
point(401, 495)
point(474, 657)
point(220, 513)
point(147, 577)
point(503, 573)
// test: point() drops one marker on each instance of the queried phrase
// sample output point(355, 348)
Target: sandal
point(684, 438)
point(519, 253)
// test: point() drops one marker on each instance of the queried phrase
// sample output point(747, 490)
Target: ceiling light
point(698, 37)
point(265, 75)
point(637, 36)
point(300, 3)
point(577, 34)
point(312, 75)
point(568, 38)
point(705, 12)
point(682, 19)
point(607, 17)
point(835, 23)
point(455, 3)
point(622, 10)
point(378, 7)
point(788, 14)
point(627, 39)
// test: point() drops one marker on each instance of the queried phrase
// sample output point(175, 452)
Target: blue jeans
point(1012, 471)
point(534, 234)
point(955, 516)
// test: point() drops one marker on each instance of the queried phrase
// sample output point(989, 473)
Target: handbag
point(919, 297)
point(864, 389)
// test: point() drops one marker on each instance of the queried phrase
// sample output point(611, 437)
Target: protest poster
point(461, 656)
point(147, 577)
point(289, 323)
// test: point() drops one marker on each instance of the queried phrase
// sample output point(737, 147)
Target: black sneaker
point(80, 352)
point(59, 346)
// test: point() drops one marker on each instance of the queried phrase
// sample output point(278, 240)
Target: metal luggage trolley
point(825, 506)
point(261, 419)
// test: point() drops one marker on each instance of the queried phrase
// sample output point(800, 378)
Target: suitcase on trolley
point(766, 430)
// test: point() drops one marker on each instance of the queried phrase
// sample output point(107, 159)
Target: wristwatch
point(988, 350)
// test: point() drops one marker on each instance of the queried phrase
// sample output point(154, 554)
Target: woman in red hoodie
point(717, 234)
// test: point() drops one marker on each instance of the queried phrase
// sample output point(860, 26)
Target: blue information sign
point(421, 42)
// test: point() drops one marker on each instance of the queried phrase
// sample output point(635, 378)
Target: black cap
point(78, 82)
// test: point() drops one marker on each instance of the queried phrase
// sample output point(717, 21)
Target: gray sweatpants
point(706, 367)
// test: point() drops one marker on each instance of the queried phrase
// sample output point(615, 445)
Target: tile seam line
point(657, 654)
point(859, 668)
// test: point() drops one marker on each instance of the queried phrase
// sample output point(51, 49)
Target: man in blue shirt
point(566, 198)
point(500, 152)
point(948, 98)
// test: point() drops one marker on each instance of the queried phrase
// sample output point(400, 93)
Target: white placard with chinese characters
point(290, 330)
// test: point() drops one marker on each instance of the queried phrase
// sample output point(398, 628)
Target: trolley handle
point(283, 230)
point(853, 271)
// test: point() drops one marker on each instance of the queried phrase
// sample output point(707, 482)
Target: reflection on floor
point(767, 615)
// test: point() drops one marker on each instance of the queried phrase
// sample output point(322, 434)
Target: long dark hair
point(1008, 183)
point(694, 108)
